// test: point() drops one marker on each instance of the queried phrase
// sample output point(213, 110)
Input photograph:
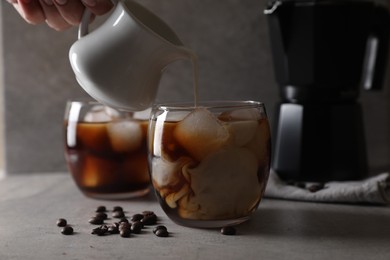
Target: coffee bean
point(159, 227)
point(124, 225)
point(117, 208)
point(136, 227)
point(96, 221)
point(162, 232)
point(61, 222)
point(118, 214)
point(101, 215)
point(316, 187)
point(100, 231)
point(136, 217)
point(149, 219)
point(123, 220)
point(125, 233)
point(68, 230)
point(95, 231)
point(147, 212)
point(229, 230)
point(112, 229)
point(101, 209)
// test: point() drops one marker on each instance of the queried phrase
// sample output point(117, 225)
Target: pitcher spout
point(176, 54)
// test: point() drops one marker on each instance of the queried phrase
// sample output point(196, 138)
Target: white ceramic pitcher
point(121, 62)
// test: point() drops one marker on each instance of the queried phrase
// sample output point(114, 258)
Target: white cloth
point(374, 190)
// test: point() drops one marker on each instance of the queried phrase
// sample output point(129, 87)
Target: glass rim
point(210, 104)
point(84, 101)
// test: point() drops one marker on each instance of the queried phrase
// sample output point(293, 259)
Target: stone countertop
point(31, 204)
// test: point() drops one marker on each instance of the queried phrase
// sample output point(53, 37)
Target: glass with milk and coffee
point(106, 150)
point(209, 162)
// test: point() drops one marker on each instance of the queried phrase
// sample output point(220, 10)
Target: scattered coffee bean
point(316, 187)
point(136, 217)
point(149, 219)
point(100, 231)
point(67, 230)
point(229, 230)
point(162, 233)
point(96, 221)
point(112, 229)
point(118, 214)
point(101, 215)
point(101, 209)
point(123, 220)
point(61, 222)
point(95, 230)
point(147, 212)
point(136, 227)
point(117, 208)
point(125, 233)
point(159, 227)
point(124, 225)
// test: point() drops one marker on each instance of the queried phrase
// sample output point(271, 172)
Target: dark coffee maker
point(323, 52)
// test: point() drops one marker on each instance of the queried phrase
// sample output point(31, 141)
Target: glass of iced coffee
point(209, 163)
point(106, 150)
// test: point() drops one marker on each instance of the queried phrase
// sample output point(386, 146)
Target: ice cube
point(98, 172)
point(125, 135)
point(93, 136)
point(162, 143)
point(201, 133)
point(224, 185)
point(240, 114)
point(242, 131)
point(112, 113)
point(100, 113)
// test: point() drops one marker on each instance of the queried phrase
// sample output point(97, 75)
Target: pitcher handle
point(83, 27)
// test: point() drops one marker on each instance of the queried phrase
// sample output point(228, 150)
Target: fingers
point(30, 10)
point(59, 14)
point(54, 18)
point(71, 11)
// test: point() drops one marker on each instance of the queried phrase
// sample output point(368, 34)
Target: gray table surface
point(31, 204)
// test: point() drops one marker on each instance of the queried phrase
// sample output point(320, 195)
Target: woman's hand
point(59, 14)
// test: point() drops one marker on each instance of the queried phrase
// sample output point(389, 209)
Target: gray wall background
point(230, 38)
